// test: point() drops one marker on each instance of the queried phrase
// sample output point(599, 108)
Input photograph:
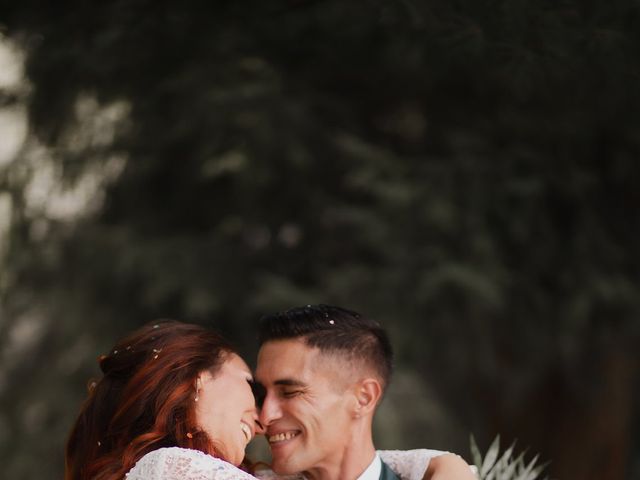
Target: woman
point(172, 385)
point(176, 403)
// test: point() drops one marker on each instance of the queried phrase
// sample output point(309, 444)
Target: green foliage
point(465, 172)
point(498, 465)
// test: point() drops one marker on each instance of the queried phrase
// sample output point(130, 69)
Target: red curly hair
point(144, 401)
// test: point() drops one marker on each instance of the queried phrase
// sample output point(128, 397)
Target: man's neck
point(352, 462)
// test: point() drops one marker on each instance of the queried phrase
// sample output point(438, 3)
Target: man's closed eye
point(291, 393)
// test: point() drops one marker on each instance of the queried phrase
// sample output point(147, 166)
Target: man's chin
point(283, 467)
point(286, 466)
point(287, 457)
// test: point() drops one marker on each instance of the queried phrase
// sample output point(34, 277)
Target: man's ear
point(368, 392)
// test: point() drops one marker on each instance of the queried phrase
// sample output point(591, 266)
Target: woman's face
point(226, 408)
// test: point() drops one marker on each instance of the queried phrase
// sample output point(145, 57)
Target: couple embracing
point(177, 403)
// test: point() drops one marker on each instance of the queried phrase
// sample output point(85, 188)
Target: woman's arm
point(449, 467)
point(423, 464)
point(409, 464)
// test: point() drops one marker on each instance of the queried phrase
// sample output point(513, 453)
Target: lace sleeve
point(409, 464)
point(184, 464)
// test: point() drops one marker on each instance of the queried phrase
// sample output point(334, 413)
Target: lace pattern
point(176, 463)
point(409, 464)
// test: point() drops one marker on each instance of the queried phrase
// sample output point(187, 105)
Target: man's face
point(307, 408)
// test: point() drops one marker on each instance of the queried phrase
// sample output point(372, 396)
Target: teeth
point(279, 437)
point(246, 430)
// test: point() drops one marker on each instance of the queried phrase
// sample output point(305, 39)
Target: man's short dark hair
point(333, 330)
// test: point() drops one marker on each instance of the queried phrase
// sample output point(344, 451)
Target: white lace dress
point(176, 463)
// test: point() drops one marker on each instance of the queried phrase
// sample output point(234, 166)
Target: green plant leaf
point(510, 469)
point(527, 474)
point(475, 452)
point(491, 457)
point(503, 466)
point(538, 470)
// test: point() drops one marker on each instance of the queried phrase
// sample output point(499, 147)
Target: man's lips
point(275, 438)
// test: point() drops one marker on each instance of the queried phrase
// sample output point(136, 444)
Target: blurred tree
point(463, 171)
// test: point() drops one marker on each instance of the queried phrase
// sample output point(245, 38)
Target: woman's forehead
point(236, 362)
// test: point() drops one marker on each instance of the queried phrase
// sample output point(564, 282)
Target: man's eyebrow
point(290, 382)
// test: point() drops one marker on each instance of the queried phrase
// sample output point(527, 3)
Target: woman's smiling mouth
point(246, 429)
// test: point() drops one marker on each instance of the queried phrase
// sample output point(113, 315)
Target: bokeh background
point(463, 171)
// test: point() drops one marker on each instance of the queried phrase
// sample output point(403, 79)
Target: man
point(325, 370)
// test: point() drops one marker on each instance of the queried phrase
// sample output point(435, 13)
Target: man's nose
point(270, 411)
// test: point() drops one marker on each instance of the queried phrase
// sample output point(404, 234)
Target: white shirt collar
point(373, 470)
